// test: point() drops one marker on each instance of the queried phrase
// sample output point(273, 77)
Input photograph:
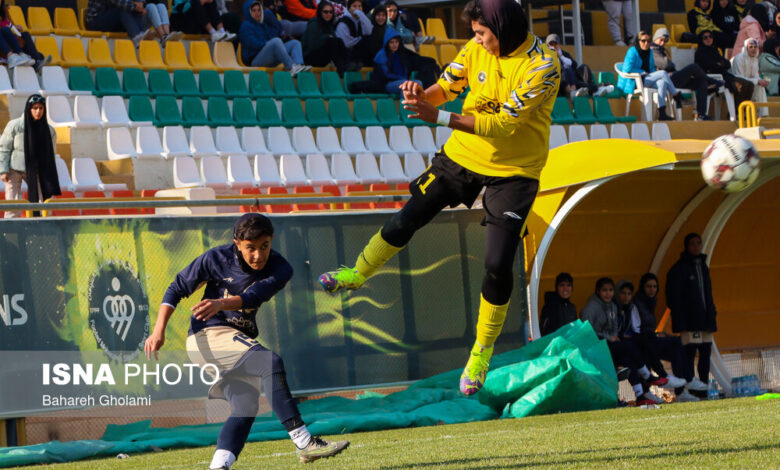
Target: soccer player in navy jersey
point(239, 277)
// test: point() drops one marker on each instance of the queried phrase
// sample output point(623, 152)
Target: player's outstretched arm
point(156, 340)
point(422, 104)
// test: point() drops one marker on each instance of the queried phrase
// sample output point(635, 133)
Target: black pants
point(703, 367)
point(194, 21)
point(741, 88)
point(361, 52)
point(29, 47)
point(332, 50)
point(625, 354)
point(580, 78)
point(656, 348)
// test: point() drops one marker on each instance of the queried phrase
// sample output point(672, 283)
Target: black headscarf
point(506, 19)
point(770, 45)
point(39, 154)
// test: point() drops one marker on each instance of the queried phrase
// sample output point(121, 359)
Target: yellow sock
point(490, 322)
point(375, 255)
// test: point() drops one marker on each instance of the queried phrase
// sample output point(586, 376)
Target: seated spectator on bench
point(709, 58)
point(17, 44)
point(261, 44)
point(577, 80)
point(157, 16)
point(745, 65)
point(199, 17)
point(379, 20)
point(769, 65)
point(118, 15)
point(354, 29)
point(699, 20)
point(743, 7)
point(401, 22)
point(750, 27)
point(558, 309)
point(725, 17)
point(319, 43)
point(394, 64)
point(292, 27)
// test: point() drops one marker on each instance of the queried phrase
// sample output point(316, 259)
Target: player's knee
point(398, 230)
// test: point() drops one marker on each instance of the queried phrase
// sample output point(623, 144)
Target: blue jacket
point(225, 273)
point(633, 64)
point(253, 35)
point(389, 66)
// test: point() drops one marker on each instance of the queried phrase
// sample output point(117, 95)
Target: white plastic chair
point(647, 96)
point(422, 138)
point(239, 172)
point(442, 134)
point(86, 112)
point(639, 131)
point(414, 165)
point(317, 169)
point(619, 131)
point(577, 133)
point(391, 168)
point(279, 141)
point(722, 93)
point(202, 142)
point(342, 170)
point(367, 169)
point(185, 173)
point(26, 81)
point(63, 175)
point(303, 141)
point(147, 143)
point(252, 141)
point(114, 114)
point(400, 141)
point(54, 81)
point(86, 177)
point(5, 82)
point(557, 136)
point(212, 172)
point(291, 170)
point(175, 143)
point(227, 142)
point(328, 140)
point(120, 144)
point(58, 111)
point(376, 140)
point(598, 131)
point(266, 171)
point(661, 131)
point(352, 140)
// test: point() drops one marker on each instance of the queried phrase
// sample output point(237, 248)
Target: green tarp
point(569, 370)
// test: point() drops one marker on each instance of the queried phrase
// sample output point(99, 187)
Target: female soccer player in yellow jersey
point(500, 142)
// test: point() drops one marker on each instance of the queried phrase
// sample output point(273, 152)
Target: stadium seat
point(225, 57)
point(279, 140)
point(176, 56)
point(227, 141)
point(317, 169)
point(5, 82)
point(128, 211)
point(166, 111)
point(160, 83)
point(86, 112)
point(340, 116)
point(557, 136)
point(328, 140)
point(252, 208)
point(429, 50)
point(16, 16)
point(140, 112)
point(175, 143)
point(307, 85)
point(119, 144)
point(212, 172)
point(150, 57)
point(252, 140)
point(80, 80)
point(218, 111)
point(202, 142)
point(291, 170)
point(435, 27)
point(278, 208)
point(647, 96)
point(583, 112)
point(331, 85)
point(53, 81)
point(561, 112)
point(134, 82)
point(192, 113)
point(63, 175)
point(265, 170)
point(363, 112)
point(148, 143)
point(352, 77)
point(267, 113)
point(107, 82)
point(65, 22)
point(86, 178)
point(356, 187)
point(352, 140)
point(39, 21)
point(330, 190)
point(661, 131)
point(58, 111)
point(618, 131)
point(148, 193)
point(577, 133)
point(399, 140)
point(99, 54)
point(210, 84)
point(604, 113)
point(184, 83)
point(244, 113)
point(283, 85)
point(200, 56)
point(64, 195)
point(304, 207)
point(260, 84)
point(185, 173)
point(391, 169)
point(292, 113)
point(239, 172)
point(367, 170)
point(303, 141)
point(342, 170)
point(316, 113)
point(25, 81)
point(387, 112)
point(47, 45)
point(381, 188)
point(639, 131)
point(608, 78)
point(447, 53)
point(235, 85)
point(442, 134)
point(376, 140)
point(113, 112)
point(124, 54)
point(94, 194)
point(412, 122)
point(598, 131)
point(414, 165)
point(422, 138)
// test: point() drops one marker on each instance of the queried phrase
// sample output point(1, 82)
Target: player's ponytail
point(506, 19)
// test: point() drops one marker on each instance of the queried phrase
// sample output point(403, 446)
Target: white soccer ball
point(730, 163)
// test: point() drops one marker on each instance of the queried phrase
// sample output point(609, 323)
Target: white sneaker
point(620, 43)
point(674, 382)
point(696, 384)
point(27, 59)
point(228, 36)
point(581, 92)
point(651, 396)
point(217, 36)
point(174, 36)
point(15, 59)
point(296, 69)
point(603, 90)
point(686, 396)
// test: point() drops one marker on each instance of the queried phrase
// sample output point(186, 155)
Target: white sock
point(644, 372)
point(638, 390)
point(222, 30)
point(300, 436)
point(221, 458)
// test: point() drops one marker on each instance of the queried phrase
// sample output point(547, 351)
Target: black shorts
point(507, 199)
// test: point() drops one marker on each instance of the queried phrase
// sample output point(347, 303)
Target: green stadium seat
point(608, 78)
point(363, 112)
point(260, 84)
point(184, 83)
point(561, 112)
point(244, 113)
point(192, 113)
point(412, 122)
point(283, 85)
point(166, 112)
point(356, 76)
point(235, 85)
point(134, 82)
point(331, 85)
point(307, 85)
point(583, 112)
point(292, 113)
point(218, 111)
point(160, 83)
point(80, 79)
point(339, 112)
point(107, 82)
point(267, 113)
point(454, 106)
point(603, 112)
point(139, 109)
point(210, 84)
point(316, 113)
point(387, 112)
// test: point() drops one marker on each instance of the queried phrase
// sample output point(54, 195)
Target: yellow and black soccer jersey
point(512, 98)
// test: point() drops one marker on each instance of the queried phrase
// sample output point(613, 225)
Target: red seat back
point(359, 205)
point(148, 193)
point(256, 191)
point(304, 207)
point(128, 211)
point(94, 211)
point(333, 190)
point(68, 212)
point(278, 208)
point(381, 187)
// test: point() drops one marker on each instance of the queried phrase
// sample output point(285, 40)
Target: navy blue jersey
point(225, 273)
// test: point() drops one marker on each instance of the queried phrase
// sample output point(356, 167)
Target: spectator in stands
point(379, 20)
point(320, 44)
point(743, 7)
point(700, 20)
point(603, 315)
point(745, 65)
point(354, 29)
point(614, 9)
point(577, 80)
point(689, 298)
point(750, 27)
point(118, 15)
point(393, 64)
point(639, 59)
point(199, 17)
point(291, 27)
point(17, 44)
point(769, 65)
point(262, 46)
point(558, 309)
point(27, 153)
point(691, 76)
point(157, 15)
point(726, 17)
point(709, 58)
point(300, 10)
point(401, 22)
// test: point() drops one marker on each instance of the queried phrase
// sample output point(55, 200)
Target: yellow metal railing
point(746, 114)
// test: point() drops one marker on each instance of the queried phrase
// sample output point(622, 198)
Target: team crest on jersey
point(482, 76)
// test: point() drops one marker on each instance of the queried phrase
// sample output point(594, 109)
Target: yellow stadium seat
point(447, 53)
point(99, 54)
point(422, 26)
point(225, 56)
point(124, 54)
point(17, 16)
point(65, 22)
point(175, 56)
point(200, 56)
point(150, 57)
point(47, 45)
point(238, 56)
point(39, 21)
point(429, 50)
point(435, 27)
point(73, 52)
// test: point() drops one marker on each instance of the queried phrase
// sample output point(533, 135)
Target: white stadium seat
point(328, 140)
point(54, 81)
point(619, 131)
point(400, 142)
point(422, 138)
point(266, 171)
point(342, 170)
point(147, 143)
point(202, 142)
point(86, 177)
point(291, 170)
point(120, 144)
point(367, 169)
point(175, 142)
point(639, 131)
point(577, 133)
point(598, 131)
point(391, 168)
point(352, 140)
point(557, 136)
point(414, 165)
point(5, 82)
point(279, 141)
point(63, 175)
point(26, 81)
point(86, 112)
point(185, 173)
point(661, 131)
point(252, 141)
point(212, 172)
point(303, 141)
point(227, 142)
point(239, 172)
point(376, 140)
point(113, 112)
point(58, 111)
point(317, 169)
point(442, 134)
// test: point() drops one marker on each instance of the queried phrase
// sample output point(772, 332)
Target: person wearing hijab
point(499, 142)
point(261, 42)
point(769, 65)
point(743, 7)
point(27, 153)
point(639, 59)
point(750, 27)
point(319, 42)
point(709, 58)
point(354, 29)
point(745, 65)
point(379, 20)
point(699, 20)
point(726, 17)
